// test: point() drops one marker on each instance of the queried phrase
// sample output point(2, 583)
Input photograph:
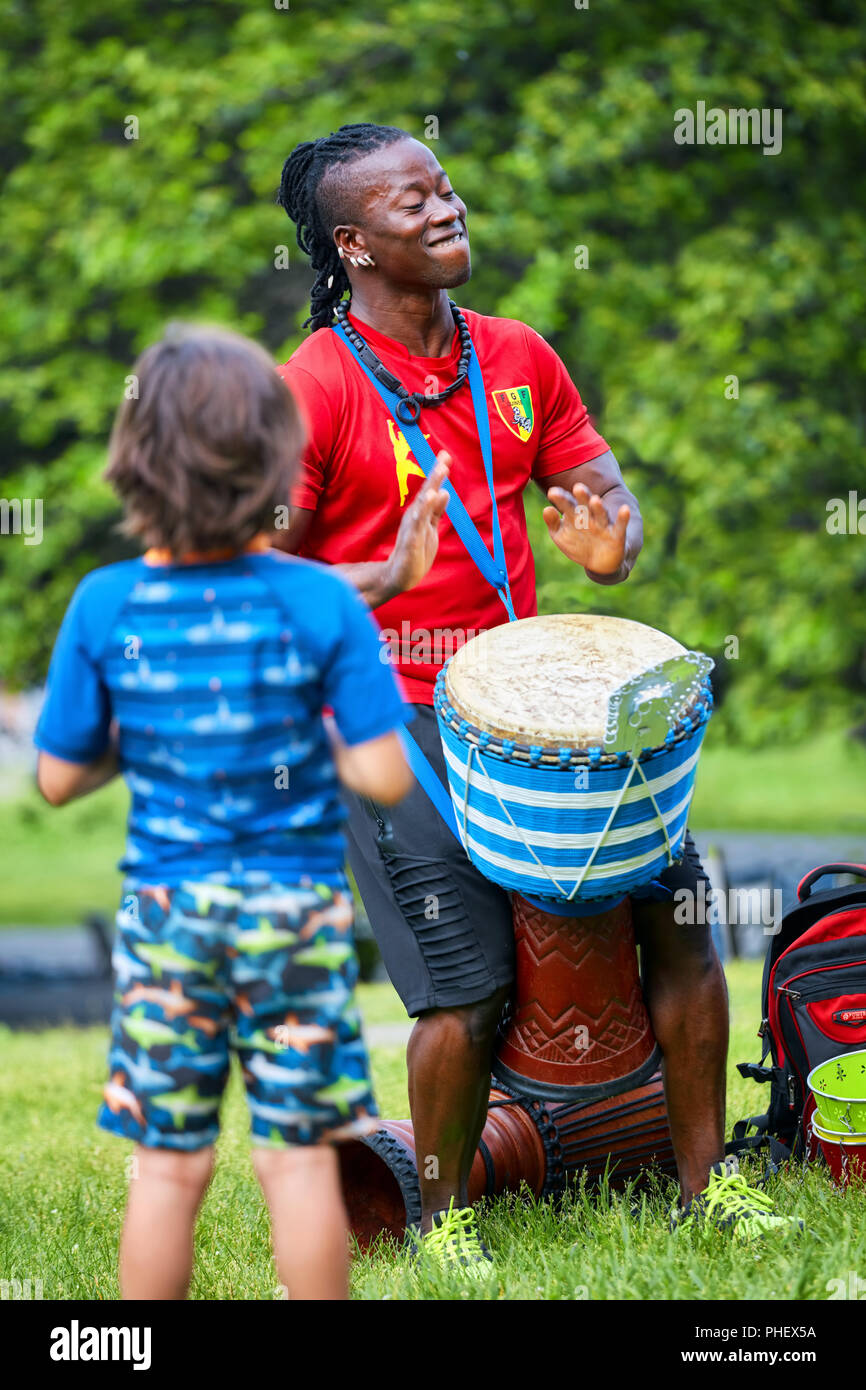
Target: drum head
point(547, 680)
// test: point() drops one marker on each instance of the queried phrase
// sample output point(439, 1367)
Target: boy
point(200, 671)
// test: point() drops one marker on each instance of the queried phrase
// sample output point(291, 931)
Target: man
point(378, 217)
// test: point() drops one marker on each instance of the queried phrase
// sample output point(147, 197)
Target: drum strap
point(429, 782)
point(493, 567)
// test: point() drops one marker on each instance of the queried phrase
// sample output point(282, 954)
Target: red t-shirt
point(358, 475)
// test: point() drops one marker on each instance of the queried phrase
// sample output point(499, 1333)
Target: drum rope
point(595, 1166)
point(659, 815)
point(634, 1137)
point(603, 836)
point(572, 1131)
point(521, 837)
point(575, 1107)
point(635, 764)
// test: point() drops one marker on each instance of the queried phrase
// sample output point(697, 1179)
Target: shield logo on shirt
point(514, 404)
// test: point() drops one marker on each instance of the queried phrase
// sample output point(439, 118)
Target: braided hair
point(317, 210)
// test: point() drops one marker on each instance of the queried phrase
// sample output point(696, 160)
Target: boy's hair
point(207, 450)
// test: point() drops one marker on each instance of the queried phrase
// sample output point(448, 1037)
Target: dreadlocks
point(317, 200)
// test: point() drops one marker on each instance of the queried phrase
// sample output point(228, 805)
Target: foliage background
point(556, 125)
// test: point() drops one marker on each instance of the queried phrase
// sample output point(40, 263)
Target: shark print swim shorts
point(267, 971)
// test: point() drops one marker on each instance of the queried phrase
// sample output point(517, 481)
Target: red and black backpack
point(813, 1008)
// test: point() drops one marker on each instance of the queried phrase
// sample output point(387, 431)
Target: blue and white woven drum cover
point(550, 819)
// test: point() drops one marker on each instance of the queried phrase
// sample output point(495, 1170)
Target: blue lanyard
point(493, 567)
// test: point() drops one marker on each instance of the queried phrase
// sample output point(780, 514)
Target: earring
point(367, 259)
point(341, 253)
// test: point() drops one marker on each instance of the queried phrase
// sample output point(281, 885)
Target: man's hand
point(580, 526)
point(418, 537)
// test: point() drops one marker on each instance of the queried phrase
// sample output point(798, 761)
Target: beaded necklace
point(408, 407)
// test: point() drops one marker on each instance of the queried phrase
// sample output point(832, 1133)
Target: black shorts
point(444, 930)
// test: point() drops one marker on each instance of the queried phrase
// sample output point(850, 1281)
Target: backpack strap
point(804, 887)
point(754, 1072)
point(743, 1144)
point(741, 1130)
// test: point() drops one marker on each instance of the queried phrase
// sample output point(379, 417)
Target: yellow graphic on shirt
point(406, 465)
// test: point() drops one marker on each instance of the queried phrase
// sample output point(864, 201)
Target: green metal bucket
point(839, 1088)
point(836, 1136)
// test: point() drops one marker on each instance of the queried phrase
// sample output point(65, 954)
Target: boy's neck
point(157, 555)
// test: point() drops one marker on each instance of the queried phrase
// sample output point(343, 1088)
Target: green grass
point(815, 788)
point(62, 1185)
point(60, 865)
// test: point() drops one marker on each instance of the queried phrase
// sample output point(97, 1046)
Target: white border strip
point(598, 872)
point(566, 801)
point(551, 839)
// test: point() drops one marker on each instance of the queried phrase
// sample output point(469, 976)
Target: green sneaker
point(728, 1203)
point(454, 1243)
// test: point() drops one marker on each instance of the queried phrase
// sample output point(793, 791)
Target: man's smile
point(452, 239)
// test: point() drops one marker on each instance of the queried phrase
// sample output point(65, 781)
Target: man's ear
point(350, 244)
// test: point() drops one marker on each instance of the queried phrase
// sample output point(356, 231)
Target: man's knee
point(676, 948)
point(485, 1015)
point(478, 1021)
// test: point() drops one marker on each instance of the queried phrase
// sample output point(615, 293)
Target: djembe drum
point(571, 745)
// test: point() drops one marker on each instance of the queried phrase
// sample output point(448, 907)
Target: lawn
point(62, 1192)
point(59, 865)
point(815, 788)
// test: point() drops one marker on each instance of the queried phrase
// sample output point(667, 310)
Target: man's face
point(413, 223)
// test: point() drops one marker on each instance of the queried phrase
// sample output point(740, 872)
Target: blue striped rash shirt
point(217, 674)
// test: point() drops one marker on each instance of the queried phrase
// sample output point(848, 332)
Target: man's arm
point(594, 519)
point(414, 549)
point(374, 579)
